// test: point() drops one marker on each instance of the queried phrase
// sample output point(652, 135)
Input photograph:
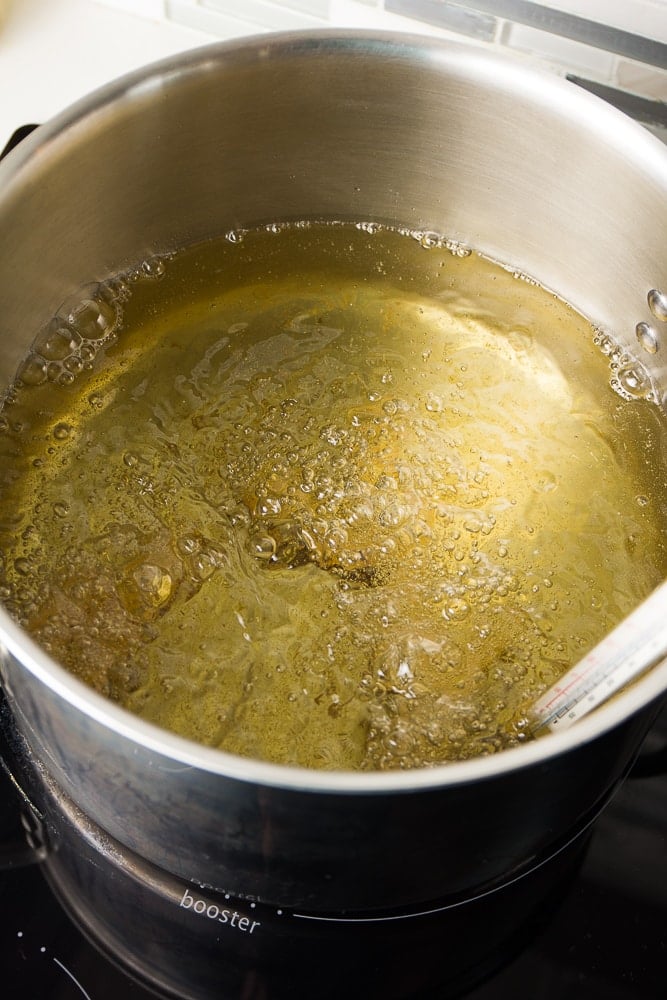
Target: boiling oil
point(334, 496)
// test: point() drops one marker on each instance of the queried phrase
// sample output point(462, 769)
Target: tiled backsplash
point(617, 45)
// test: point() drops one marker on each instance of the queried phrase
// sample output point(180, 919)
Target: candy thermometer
point(637, 644)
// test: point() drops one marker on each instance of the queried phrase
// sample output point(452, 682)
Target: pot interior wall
point(529, 170)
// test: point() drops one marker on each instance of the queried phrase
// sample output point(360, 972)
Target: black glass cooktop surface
point(603, 938)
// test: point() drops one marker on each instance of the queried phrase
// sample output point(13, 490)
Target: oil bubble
point(457, 249)
point(87, 352)
point(632, 381)
point(154, 583)
point(657, 302)
point(647, 337)
point(429, 240)
point(153, 267)
point(204, 565)
point(456, 610)
point(188, 544)
point(33, 371)
point(62, 431)
point(263, 547)
point(57, 341)
point(118, 287)
point(73, 365)
point(94, 318)
point(368, 227)
point(605, 343)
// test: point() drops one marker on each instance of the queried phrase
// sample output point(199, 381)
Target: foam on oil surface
point(337, 496)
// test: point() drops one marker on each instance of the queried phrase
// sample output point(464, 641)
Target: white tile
point(191, 15)
point(563, 52)
point(643, 80)
point(265, 15)
point(359, 14)
point(144, 8)
point(272, 13)
point(229, 19)
point(318, 8)
point(639, 17)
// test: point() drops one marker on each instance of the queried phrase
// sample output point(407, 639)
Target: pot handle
point(16, 138)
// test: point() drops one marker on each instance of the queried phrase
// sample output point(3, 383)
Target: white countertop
point(52, 52)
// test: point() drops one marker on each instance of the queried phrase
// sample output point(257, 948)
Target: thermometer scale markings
point(634, 646)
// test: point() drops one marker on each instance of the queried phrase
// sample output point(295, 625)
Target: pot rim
point(18, 643)
point(500, 70)
point(603, 122)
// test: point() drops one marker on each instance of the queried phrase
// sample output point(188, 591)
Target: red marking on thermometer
point(637, 644)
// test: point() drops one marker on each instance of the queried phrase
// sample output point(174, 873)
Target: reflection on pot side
point(332, 495)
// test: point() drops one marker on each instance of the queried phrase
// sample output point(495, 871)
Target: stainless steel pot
point(346, 126)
